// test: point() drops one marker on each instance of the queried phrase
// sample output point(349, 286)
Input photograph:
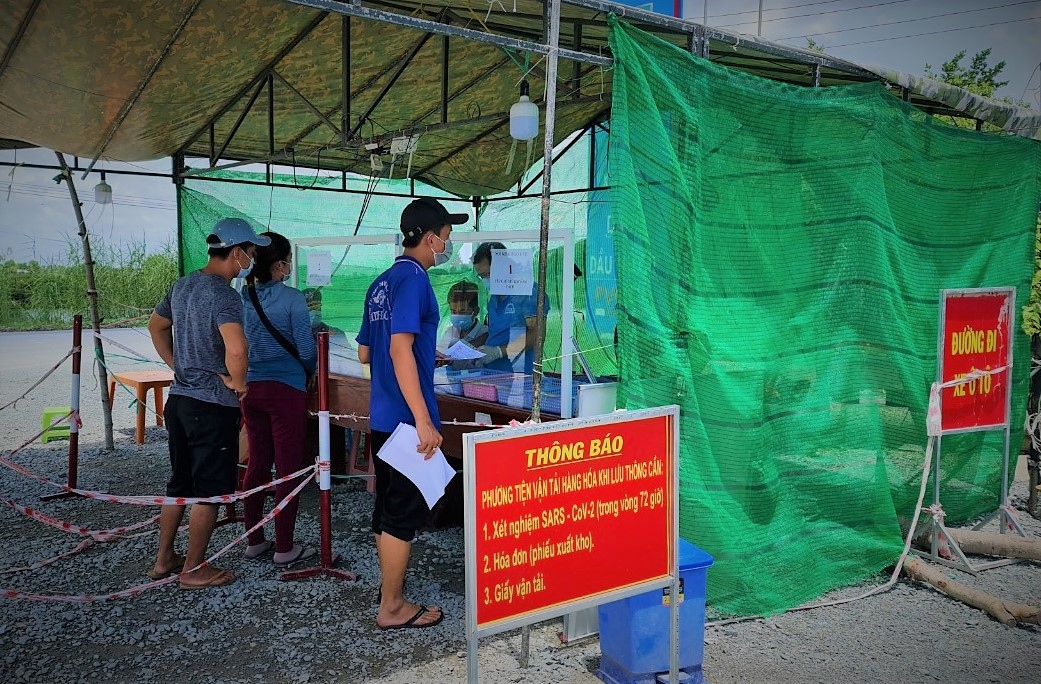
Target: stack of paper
point(430, 475)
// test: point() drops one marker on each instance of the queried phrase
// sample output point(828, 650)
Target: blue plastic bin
point(634, 632)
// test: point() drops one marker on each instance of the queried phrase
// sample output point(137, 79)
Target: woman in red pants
point(281, 357)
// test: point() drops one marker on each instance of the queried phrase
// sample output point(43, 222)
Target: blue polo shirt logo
point(378, 309)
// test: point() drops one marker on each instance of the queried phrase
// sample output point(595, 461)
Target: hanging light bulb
point(103, 191)
point(524, 116)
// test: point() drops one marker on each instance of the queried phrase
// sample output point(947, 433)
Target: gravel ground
point(263, 630)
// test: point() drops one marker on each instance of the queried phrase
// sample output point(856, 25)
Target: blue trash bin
point(634, 632)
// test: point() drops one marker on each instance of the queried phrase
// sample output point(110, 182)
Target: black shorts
point(204, 447)
point(400, 508)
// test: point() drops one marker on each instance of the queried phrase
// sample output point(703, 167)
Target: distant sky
point(37, 222)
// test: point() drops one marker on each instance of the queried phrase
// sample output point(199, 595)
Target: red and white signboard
point(568, 514)
point(976, 335)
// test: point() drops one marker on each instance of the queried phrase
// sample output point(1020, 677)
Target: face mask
point(461, 321)
point(485, 280)
point(443, 256)
point(245, 271)
point(287, 272)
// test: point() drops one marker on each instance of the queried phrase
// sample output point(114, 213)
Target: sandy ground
point(321, 630)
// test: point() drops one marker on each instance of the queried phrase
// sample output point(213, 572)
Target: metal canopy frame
point(763, 57)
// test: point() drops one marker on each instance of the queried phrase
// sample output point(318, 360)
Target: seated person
point(313, 297)
point(464, 324)
point(511, 321)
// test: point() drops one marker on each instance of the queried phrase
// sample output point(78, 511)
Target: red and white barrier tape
point(357, 419)
point(40, 381)
point(86, 543)
point(151, 500)
point(99, 535)
point(127, 349)
point(141, 588)
point(39, 434)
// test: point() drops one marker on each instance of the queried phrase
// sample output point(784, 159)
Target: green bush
point(129, 283)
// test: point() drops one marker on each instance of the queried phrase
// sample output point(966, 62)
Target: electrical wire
point(932, 33)
point(817, 14)
point(773, 9)
point(907, 21)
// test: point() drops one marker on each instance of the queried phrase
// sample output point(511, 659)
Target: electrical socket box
point(404, 144)
point(376, 162)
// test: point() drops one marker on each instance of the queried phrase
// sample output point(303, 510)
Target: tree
point(979, 77)
point(814, 46)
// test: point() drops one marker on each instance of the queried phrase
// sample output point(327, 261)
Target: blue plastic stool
point(51, 414)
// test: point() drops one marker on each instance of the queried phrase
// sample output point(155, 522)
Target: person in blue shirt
point(275, 407)
point(510, 346)
point(398, 338)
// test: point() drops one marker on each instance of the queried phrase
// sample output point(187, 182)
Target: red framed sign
point(568, 514)
point(976, 335)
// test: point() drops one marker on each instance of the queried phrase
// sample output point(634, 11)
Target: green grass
point(129, 282)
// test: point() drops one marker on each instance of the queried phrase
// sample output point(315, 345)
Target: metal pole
point(74, 405)
point(553, 28)
point(324, 480)
point(325, 516)
point(759, 27)
point(92, 299)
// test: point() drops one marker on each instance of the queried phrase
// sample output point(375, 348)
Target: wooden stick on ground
point(1002, 611)
point(991, 544)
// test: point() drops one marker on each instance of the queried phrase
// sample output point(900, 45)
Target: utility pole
point(759, 28)
point(92, 298)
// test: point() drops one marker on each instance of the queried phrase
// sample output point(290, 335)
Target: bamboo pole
point(92, 299)
point(1004, 545)
point(1003, 611)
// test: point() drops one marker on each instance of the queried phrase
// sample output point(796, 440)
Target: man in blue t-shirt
point(398, 338)
point(511, 321)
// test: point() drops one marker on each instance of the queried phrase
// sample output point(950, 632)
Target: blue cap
point(235, 231)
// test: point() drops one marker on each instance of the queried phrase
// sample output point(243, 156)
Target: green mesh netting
point(303, 205)
point(781, 251)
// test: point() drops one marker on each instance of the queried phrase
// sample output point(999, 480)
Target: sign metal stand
point(976, 328)
point(550, 509)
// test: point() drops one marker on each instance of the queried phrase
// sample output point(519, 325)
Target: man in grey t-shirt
point(197, 330)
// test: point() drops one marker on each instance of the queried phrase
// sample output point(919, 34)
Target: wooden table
point(349, 396)
point(141, 382)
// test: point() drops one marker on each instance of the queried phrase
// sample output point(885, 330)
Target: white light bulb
point(524, 116)
point(103, 193)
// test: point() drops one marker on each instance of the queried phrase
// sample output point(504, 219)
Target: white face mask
point(443, 256)
point(243, 272)
point(462, 321)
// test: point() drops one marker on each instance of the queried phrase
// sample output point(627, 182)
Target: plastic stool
point(51, 414)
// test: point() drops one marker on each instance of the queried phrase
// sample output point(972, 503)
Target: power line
point(817, 14)
point(1029, 79)
point(139, 202)
point(773, 9)
point(934, 16)
point(932, 33)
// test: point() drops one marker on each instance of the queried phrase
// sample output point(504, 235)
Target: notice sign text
point(976, 336)
point(571, 513)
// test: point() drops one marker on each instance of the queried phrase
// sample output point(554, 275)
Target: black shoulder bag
point(279, 337)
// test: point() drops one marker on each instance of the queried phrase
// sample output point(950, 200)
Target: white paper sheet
point(431, 475)
point(319, 268)
point(512, 272)
point(463, 351)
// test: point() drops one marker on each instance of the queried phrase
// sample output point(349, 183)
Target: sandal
point(303, 553)
point(175, 569)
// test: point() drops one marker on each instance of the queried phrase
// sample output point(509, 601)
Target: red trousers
point(276, 424)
